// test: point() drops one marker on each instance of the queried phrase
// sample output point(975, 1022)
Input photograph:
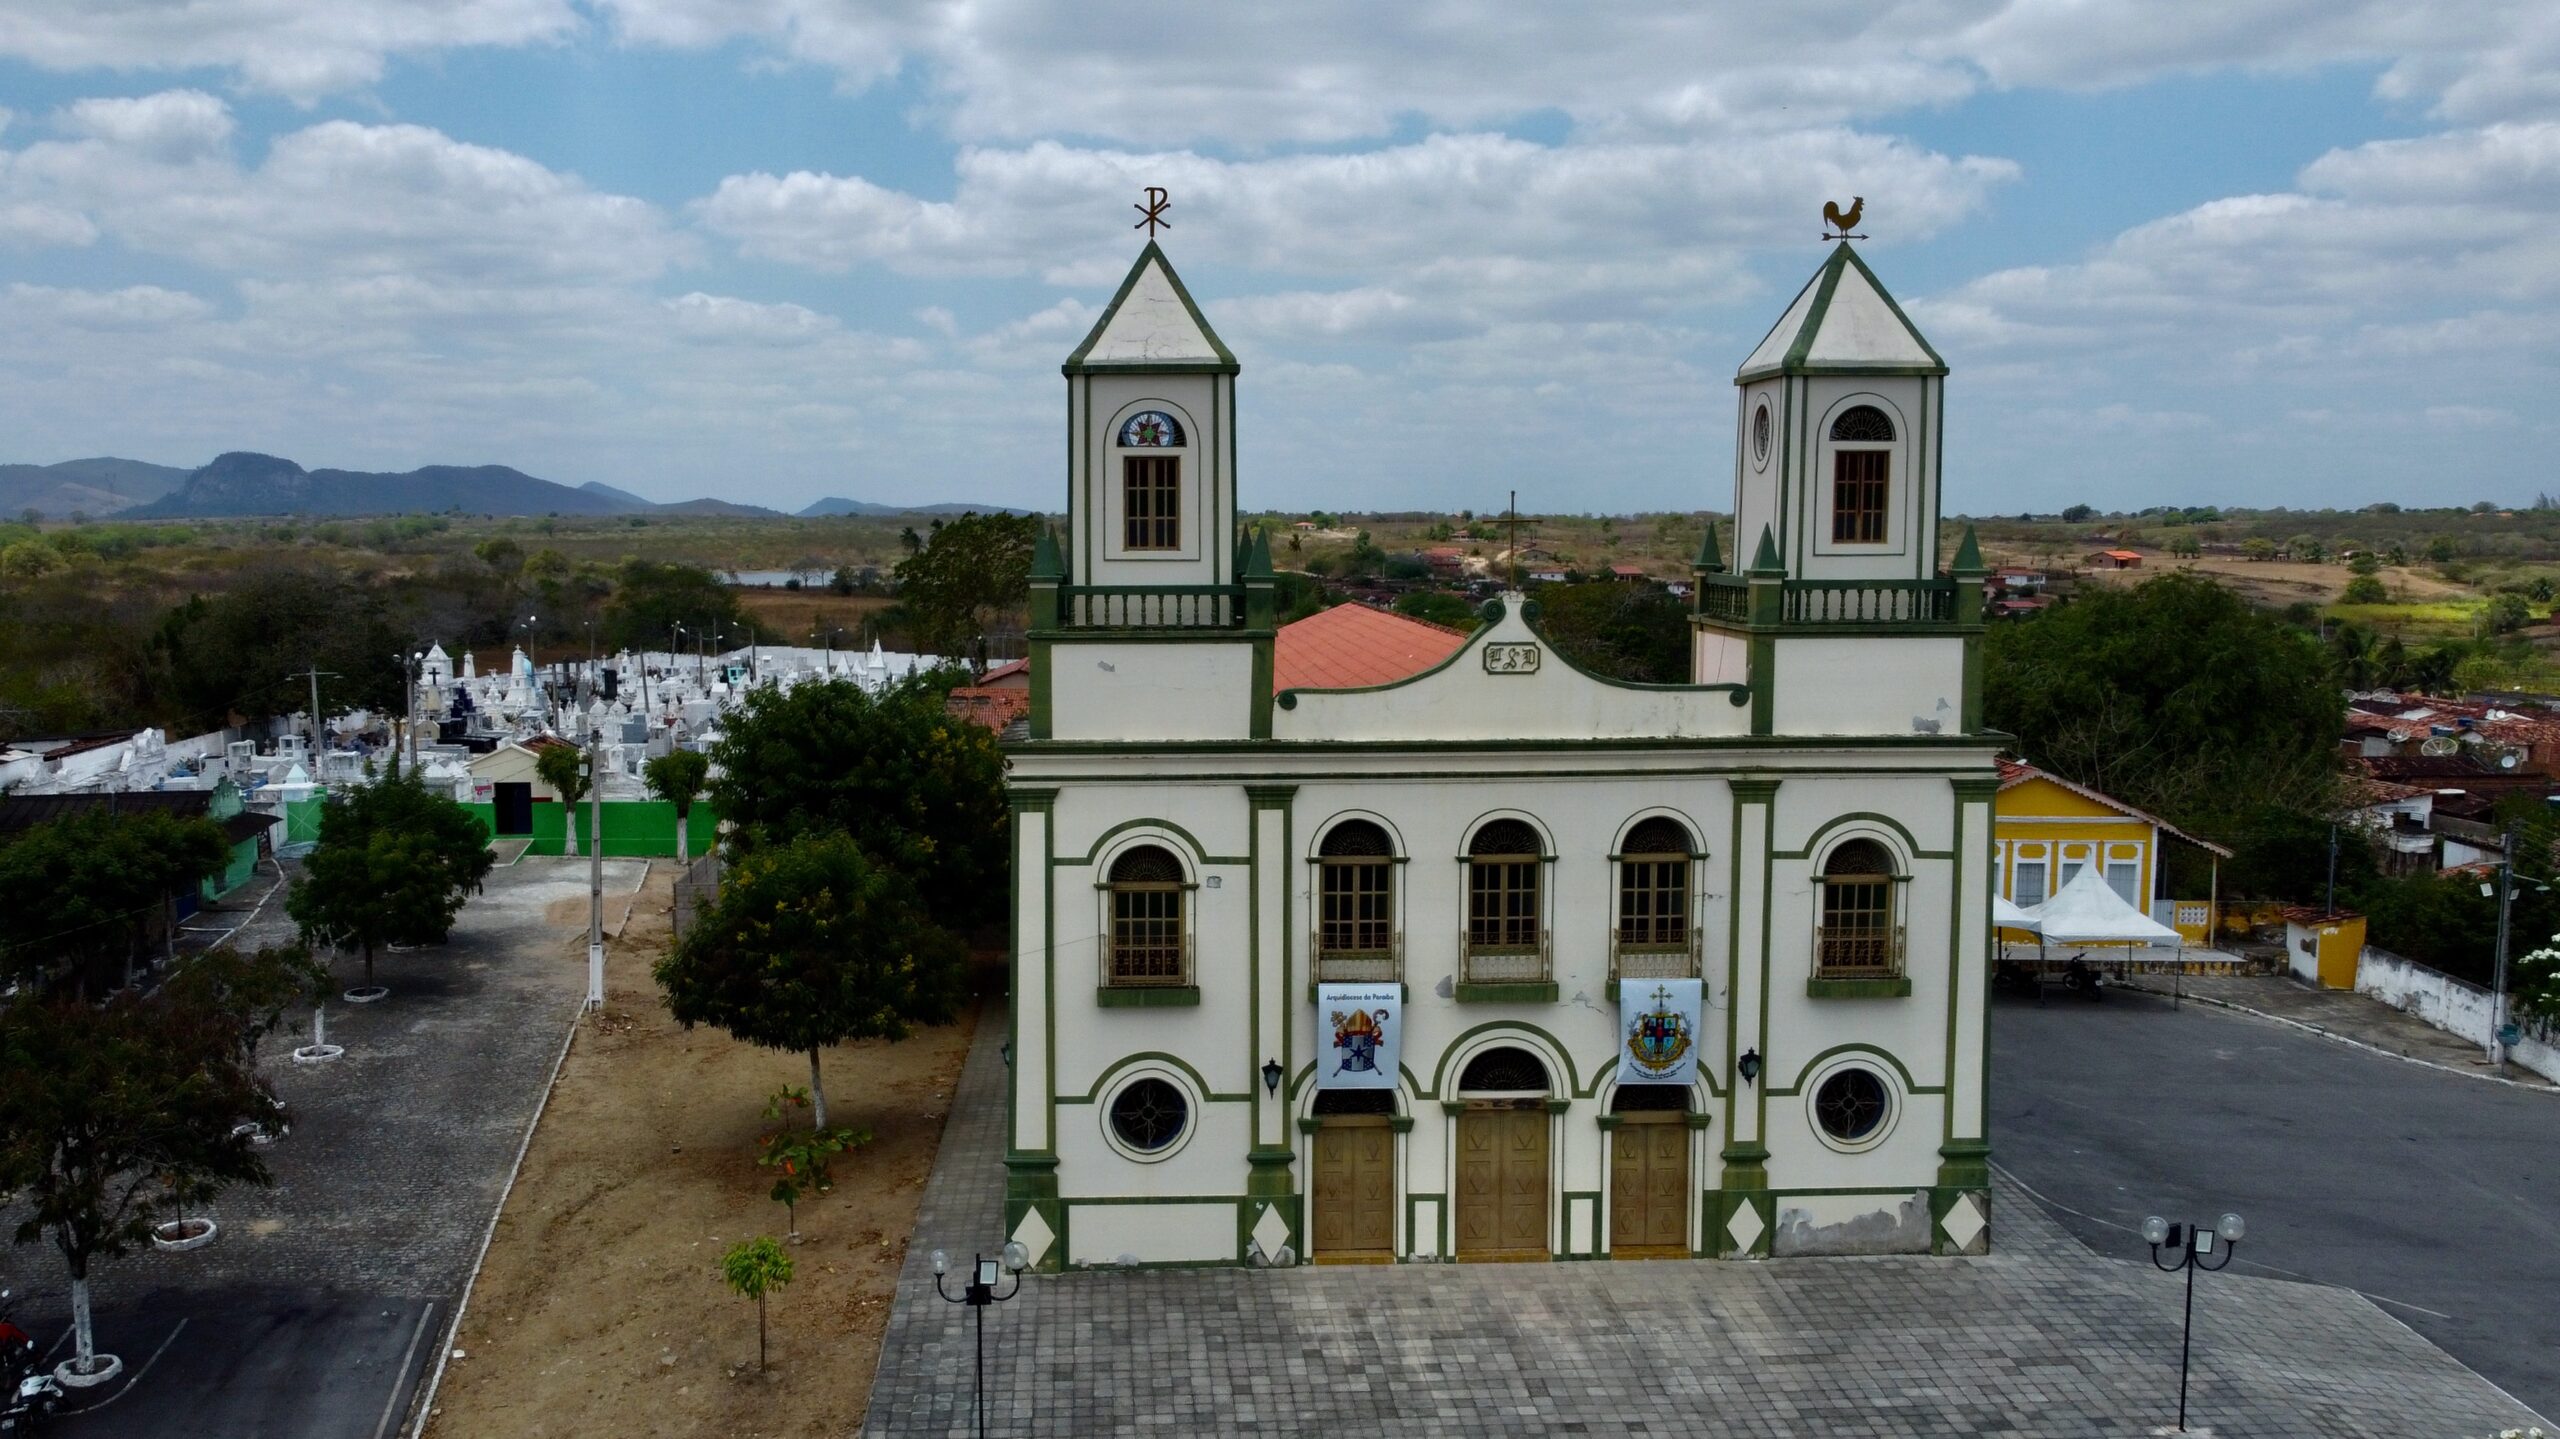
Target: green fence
point(632, 828)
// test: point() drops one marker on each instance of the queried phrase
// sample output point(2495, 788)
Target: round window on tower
point(1149, 1118)
point(1760, 435)
point(1853, 1107)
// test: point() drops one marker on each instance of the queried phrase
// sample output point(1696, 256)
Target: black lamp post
point(978, 1293)
point(2192, 1244)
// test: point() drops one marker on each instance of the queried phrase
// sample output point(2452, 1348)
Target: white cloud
point(286, 47)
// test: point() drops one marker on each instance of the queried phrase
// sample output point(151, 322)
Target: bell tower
point(1838, 434)
point(1837, 613)
point(1151, 551)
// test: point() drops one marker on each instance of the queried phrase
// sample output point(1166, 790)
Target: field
point(600, 1309)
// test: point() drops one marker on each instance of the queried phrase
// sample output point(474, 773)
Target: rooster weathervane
point(1841, 222)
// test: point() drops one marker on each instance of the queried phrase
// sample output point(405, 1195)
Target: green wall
point(632, 828)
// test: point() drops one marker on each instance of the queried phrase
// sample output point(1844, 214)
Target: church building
point(1361, 940)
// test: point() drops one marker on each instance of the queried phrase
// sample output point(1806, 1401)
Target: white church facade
point(1502, 960)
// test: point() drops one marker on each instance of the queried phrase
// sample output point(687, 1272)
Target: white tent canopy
point(2005, 915)
point(2087, 911)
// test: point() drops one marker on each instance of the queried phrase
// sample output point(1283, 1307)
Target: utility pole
point(2331, 907)
point(315, 674)
point(595, 868)
point(1514, 517)
point(2498, 990)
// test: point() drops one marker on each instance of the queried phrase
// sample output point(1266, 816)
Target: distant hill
point(630, 500)
point(241, 483)
point(837, 505)
point(97, 487)
point(729, 508)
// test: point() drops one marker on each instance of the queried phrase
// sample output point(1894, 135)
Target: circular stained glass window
point(1760, 434)
point(1851, 1104)
point(1151, 430)
point(1149, 1115)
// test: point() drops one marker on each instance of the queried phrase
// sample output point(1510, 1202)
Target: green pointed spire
point(1257, 564)
point(1765, 561)
point(1044, 556)
point(1710, 559)
point(1968, 559)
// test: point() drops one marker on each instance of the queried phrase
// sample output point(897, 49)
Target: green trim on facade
point(1988, 740)
point(1910, 841)
point(1794, 363)
point(1199, 852)
point(1102, 1081)
point(1146, 996)
point(1510, 993)
point(1224, 365)
point(1795, 1087)
point(1896, 987)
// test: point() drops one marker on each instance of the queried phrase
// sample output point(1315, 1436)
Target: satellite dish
point(2439, 746)
point(2507, 758)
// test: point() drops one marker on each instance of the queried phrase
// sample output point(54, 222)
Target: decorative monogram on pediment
point(1510, 659)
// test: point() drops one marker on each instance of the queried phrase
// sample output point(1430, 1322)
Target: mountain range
point(243, 483)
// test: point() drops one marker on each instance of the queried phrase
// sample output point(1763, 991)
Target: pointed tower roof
point(1842, 322)
point(1151, 325)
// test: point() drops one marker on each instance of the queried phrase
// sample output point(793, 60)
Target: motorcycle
point(31, 1395)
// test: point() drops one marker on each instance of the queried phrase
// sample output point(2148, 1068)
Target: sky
point(2266, 252)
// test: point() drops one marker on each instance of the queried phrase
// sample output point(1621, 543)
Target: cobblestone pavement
point(325, 1295)
point(2344, 1013)
point(2040, 1338)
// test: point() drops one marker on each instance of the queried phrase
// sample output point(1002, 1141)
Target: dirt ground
point(601, 1309)
point(799, 613)
point(2282, 582)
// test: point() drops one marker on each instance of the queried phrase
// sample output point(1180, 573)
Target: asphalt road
point(2434, 1194)
point(322, 1307)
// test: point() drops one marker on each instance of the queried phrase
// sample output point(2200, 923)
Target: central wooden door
point(1649, 1186)
point(1355, 1196)
point(1502, 1183)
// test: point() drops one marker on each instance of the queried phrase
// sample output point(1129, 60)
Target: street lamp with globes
point(978, 1293)
point(2191, 1244)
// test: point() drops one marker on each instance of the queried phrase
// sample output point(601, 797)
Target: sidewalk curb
point(2330, 1034)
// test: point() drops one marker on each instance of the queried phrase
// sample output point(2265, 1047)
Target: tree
point(1627, 632)
point(2185, 547)
point(116, 1117)
point(2505, 614)
point(2364, 590)
point(564, 767)
point(916, 788)
point(1439, 607)
point(2173, 695)
point(2442, 549)
point(394, 865)
point(649, 598)
point(677, 778)
point(255, 988)
point(811, 944)
point(800, 1159)
point(2396, 556)
point(2258, 547)
point(236, 653)
point(756, 1267)
point(965, 577)
point(2366, 562)
point(2077, 514)
point(100, 880)
point(2307, 548)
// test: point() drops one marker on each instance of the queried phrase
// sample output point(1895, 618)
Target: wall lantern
point(1271, 1074)
point(1749, 1064)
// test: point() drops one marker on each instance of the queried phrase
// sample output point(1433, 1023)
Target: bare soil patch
point(601, 1309)
point(2277, 583)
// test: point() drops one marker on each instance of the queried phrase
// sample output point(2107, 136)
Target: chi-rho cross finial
point(1153, 212)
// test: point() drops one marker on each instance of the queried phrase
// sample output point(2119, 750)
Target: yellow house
point(2324, 947)
point(2049, 829)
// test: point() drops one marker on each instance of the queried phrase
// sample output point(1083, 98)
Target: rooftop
point(1352, 645)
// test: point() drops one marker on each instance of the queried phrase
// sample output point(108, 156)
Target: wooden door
point(1355, 1194)
point(1502, 1183)
point(1649, 1186)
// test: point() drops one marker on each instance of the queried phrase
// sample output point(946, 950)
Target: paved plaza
point(2041, 1338)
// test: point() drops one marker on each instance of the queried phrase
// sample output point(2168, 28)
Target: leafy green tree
point(564, 768)
point(2077, 514)
point(237, 653)
point(254, 987)
point(2366, 562)
point(2505, 614)
point(2396, 556)
point(649, 598)
point(1627, 632)
point(394, 865)
point(99, 882)
point(965, 577)
point(2443, 549)
point(2307, 548)
point(2173, 695)
point(754, 1268)
point(915, 787)
point(677, 777)
point(1439, 607)
point(801, 1159)
point(116, 1117)
point(2185, 547)
point(2365, 590)
point(811, 944)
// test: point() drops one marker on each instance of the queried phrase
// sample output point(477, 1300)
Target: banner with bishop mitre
point(1361, 1032)
point(1659, 1021)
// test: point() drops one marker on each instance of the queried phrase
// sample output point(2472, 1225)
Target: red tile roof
point(1353, 645)
point(2014, 773)
point(994, 707)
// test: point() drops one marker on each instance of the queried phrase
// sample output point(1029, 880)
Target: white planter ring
point(68, 1375)
point(161, 1240)
point(367, 993)
point(318, 1053)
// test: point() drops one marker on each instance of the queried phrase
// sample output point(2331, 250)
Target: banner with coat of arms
point(1360, 1035)
point(1659, 1023)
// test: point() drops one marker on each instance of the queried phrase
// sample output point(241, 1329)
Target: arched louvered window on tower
point(1506, 935)
point(1356, 937)
point(1656, 937)
point(1150, 942)
point(1861, 925)
point(1862, 439)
